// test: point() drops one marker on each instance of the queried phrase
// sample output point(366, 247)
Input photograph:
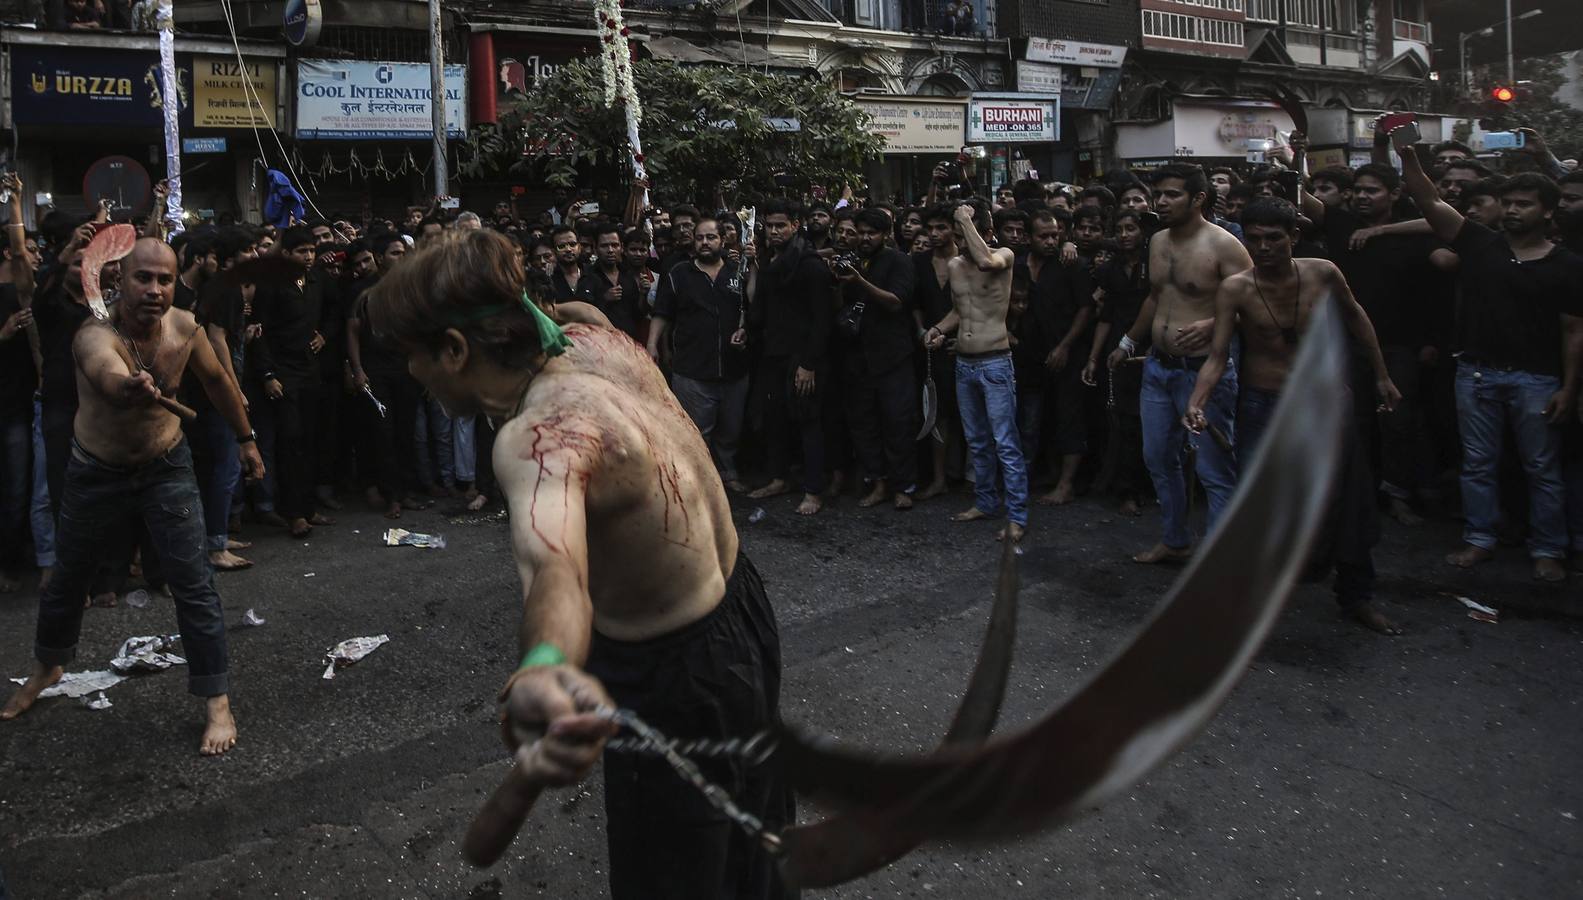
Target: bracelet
point(1128, 345)
point(545, 654)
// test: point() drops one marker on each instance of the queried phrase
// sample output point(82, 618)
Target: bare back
point(599, 425)
point(981, 298)
point(1270, 310)
point(1186, 268)
point(109, 428)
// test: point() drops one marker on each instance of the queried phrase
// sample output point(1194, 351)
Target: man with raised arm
point(635, 592)
point(986, 388)
point(1188, 260)
point(130, 458)
point(1519, 339)
point(1269, 307)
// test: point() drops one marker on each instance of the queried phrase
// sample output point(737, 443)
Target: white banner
point(915, 126)
point(1038, 78)
point(1008, 121)
point(1075, 53)
point(358, 100)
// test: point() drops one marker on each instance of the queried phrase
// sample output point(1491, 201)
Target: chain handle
point(754, 751)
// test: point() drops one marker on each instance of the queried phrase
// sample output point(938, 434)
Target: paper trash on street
point(350, 651)
point(399, 537)
point(149, 653)
point(76, 685)
point(97, 701)
point(252, 619)
point(1479, 612)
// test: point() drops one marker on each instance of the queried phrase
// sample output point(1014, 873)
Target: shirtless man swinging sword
point(129, 458)
point(1270, 307)
point(1187, 262)
point(635, 593)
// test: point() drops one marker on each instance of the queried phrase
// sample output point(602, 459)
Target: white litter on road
point(77, 684)
point(149, 653)
point(350, 651)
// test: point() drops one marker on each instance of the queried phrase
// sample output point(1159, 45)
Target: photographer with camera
point(875, 326)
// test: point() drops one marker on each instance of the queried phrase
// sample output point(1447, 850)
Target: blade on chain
point(1160, 690)
point(845, 847)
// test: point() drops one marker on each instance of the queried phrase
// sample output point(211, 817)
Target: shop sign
point(1038, 78)
point(98, 87)
point(221, 98)
point(522, 62)
point(302, 21)
point(203, 145)
point(1090, 93)
point(1075, 53)
point(1326, 159)
point(1010, 121)
point(364, 100)
point(1238, 127)
point(1363, 129)
point(915, 127)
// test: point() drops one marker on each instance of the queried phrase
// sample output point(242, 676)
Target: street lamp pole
point(1486, 31)
point(1511, 76)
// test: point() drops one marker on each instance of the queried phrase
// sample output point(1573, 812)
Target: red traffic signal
point(1503, 94)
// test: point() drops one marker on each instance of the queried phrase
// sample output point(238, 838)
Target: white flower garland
point(615, 57)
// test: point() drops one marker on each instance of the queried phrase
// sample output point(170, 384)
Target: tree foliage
point(706, 132)
point(1537, 105)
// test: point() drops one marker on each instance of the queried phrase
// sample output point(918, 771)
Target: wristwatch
point(248, 438)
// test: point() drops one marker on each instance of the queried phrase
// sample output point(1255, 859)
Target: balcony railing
point(1412, 31)
point(966, 18)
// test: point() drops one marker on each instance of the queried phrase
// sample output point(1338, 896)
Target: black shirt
point(59, 317)
point(564, 290)
point(289, 314)
point(704, 313)
point(1392, 279)
point(186, 297)
point(930, 296)
point(625, 314)
point(1059, 294)
point(1510, 313)
point(376, 356)
point(794, 305)
point(1125, 292)
point(18, 378)
point(886, 337)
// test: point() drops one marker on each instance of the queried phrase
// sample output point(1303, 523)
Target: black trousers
point(387, 439)
point(292, 425)
point(716, 678)
point(785, 412)
point(882, 415)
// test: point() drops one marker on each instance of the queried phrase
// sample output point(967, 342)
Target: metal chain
point(755, 751)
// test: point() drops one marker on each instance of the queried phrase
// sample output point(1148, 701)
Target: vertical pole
point(1467, 79)
point(170, 100)
point(1511, 76)
point(437, 96)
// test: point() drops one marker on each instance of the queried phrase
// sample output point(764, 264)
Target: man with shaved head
point(129, 458)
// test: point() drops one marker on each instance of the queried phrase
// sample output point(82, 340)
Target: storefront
point(1021, 133)
point(1211, 131)
point(920, 133)
point(1085, 76)
point(87, 112)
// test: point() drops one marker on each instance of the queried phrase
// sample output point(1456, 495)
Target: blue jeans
point(1487, 401)
point(16, 486)
point(97, 504)
point(39, 512)
point(431, 439)
point(986, 392)
point(1161, 405)
point(463, 439)
point(219, 470)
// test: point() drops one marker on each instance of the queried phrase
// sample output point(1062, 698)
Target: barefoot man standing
point(635, 593)
point(986, 389)
point(129, 458)
point(1187, 262)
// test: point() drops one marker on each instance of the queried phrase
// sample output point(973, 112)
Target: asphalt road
point(1440, 764)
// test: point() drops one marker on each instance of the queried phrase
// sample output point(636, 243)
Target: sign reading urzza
point(105, 87)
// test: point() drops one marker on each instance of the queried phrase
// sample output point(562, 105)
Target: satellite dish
point(123, 181)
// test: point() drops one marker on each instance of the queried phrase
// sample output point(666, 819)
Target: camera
point(844, 261)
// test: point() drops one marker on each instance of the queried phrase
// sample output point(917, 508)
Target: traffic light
point(1503, 94)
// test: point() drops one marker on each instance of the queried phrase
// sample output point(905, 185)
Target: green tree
point(707, 132)
point(1537, 106)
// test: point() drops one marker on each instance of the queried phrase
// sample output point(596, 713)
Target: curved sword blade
point(1157, 692)
point(845, 847)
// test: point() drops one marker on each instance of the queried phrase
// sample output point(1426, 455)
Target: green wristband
point(545, 654)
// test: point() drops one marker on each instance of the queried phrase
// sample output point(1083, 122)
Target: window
point(1192, 28)
point(1342, 16)
point(1264, 10)
point(1303, 12)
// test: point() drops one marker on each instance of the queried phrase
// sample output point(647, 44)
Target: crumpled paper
point(77, 685)
point(350, 651)
point(148, 653)
point(252, 619)
point(399, 537)
point(97, 701)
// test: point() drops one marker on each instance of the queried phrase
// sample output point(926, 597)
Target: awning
point(727, 53)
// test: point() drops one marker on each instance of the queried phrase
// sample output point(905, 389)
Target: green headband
point(552, 340)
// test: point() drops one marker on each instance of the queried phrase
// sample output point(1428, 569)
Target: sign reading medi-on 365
point(1012, 120)
point(357, 100)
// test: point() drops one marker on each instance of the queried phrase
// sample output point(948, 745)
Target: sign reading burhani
point(221, 98)
point(1012, 121)
point(358, 100)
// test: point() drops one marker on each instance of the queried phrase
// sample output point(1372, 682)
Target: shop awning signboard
point(1038, 78)
point(1013, 120)
point(367, 100)
point(224, 95)
point(910, 126)
point(98, 87)
point(1075, 53)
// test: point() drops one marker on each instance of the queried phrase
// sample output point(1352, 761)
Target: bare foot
point(320, 519)
point(9, 584)
point(1012, 531)
point(226, 561)
point(1160, 553)
point(934, 490)
point(810, 505)
point(1366, 615)
point(736, 486)
point(773, 489)
point(40, 678)
point(903, 501)
point(1403, 513)
point(219, 735)
point(238, 545)
point(300, 528)
point(971, 514)
point(393, 511)
point(874, 497)
point(1469, 556)
point(473, 505)
point(1129, 507)
point(1551, 570)
point(1061, 496)
point(44, 576)
point(103, 601)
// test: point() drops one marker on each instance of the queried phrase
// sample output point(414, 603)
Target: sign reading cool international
point(357, 100)
point(1007, 120)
